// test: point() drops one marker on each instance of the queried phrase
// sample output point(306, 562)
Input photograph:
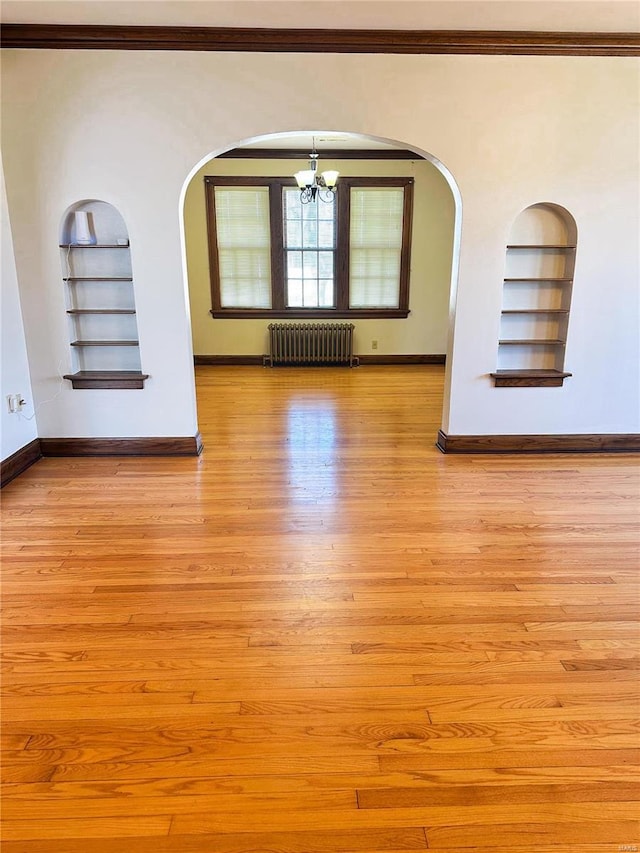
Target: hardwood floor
point(321, 636)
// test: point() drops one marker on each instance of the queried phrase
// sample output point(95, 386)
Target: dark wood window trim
point(283, 40)
point(279, 309)
point(334, 153)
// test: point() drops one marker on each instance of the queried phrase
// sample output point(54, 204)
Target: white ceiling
point(561, 15)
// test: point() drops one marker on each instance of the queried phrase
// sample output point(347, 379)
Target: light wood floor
point(322, 636)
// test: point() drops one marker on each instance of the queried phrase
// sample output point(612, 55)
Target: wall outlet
point(15, 403)
point(374, 344)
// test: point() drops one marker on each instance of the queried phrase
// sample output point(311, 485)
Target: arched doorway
point(425, 334)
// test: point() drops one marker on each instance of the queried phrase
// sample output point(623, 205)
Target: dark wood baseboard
point(219, 360)
point(152, 446)
point(19, 461)
point(364, 359)
point(436, 358)
point(587, 443)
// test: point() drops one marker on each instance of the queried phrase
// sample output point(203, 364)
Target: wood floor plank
point(567, 847)
point(464, 795)
point(315, 841)
point(237, 735)
point(598, 816)
point(86, 828)
point(15, 773)
point(530, 835)
point(321, 636)
point(271, 767)
point(589, 756)
point(141, 780)
point(49, 805)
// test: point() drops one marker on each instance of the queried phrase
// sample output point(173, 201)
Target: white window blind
point(375, 246)
point(244, 246)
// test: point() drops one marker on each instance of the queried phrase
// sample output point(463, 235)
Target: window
point(271, 255)
point(309, 245)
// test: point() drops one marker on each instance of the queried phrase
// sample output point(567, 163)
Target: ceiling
point(546, 15)
point(324, 140)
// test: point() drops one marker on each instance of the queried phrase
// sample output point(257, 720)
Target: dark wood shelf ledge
point(552, 342)
point(94, 246)
point(560, 246)
point(101, 311)
point(529, 378)
point(105, 343)
point(536, 311)
point(84, 379)
point(97, 278)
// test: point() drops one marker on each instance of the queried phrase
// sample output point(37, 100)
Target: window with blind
point(271, 255)
point(244, 246)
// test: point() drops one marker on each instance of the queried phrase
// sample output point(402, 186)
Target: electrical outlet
point(374, 344)
point(15, 403)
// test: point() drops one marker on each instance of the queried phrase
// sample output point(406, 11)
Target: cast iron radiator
point(311, 343)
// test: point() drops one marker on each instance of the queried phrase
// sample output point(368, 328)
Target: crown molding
point(518, 43)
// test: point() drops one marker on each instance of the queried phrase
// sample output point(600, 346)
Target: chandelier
point(313, 185)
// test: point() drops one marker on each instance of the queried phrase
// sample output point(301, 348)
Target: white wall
point(128, 127)
point(17, 430)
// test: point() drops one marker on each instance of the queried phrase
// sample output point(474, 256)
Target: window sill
point(310, 314)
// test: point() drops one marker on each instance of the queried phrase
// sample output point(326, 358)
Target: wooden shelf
point(529, 378)
point(93, 246)
point(105, 343)
point(552, 342)
point(97, 278)
point(101, 311)
point(85, 379)
point(536, 311)
point(106, 353)
point(533, 338)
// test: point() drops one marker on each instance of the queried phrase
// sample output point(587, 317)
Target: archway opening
point(424, 335)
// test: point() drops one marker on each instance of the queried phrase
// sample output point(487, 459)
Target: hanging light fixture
point(313, 185)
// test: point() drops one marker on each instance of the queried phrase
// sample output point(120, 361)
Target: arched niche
point(539, 268)
point(96, 268)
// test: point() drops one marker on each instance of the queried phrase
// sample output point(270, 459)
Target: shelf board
point(536, 311)
point(534, 278)
point(106, 379)
point(101, 311)
point(561, 246)
point(533, 341)
point(97, 278)
point(104, 343)
point(529, 378)
point(93, 246)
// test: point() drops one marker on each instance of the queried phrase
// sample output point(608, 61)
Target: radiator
point(311, 343)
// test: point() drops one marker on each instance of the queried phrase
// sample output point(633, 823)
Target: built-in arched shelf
point(96, 269)
point(540, 262)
